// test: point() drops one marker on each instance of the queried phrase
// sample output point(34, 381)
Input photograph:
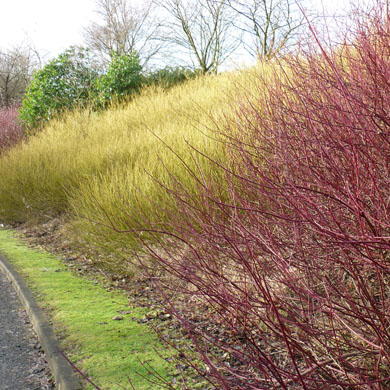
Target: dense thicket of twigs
point(10, 127)
point(291, 256)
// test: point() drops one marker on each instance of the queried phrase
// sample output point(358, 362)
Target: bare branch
point(124, 28)
point(202, 28)
point(272, 25)
point(16, 68)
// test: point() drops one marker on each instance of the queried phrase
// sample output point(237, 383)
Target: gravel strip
point(22, 362)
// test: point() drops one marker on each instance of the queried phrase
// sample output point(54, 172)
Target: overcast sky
point(51, 25)
point(54, 25)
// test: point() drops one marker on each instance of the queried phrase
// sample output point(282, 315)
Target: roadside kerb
point(63, 373)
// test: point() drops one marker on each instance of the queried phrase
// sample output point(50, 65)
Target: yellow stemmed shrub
point(91, 166)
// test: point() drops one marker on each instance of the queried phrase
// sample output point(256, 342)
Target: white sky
point(51, 25)
point(54, 25)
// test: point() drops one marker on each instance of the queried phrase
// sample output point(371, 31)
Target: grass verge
point(82, 313)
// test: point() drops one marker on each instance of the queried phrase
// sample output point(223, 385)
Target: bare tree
point(124, 28)
point(273, 25)
point(16, 68)
point(202, 28)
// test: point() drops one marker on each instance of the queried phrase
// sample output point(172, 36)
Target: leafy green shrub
point(64, 82)
point(170, 76)
point(122, 79)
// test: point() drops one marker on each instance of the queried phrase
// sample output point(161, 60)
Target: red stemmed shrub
point(10, 127)
point(290, 257)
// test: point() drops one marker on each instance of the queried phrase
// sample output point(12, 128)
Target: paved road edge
point(63, 373)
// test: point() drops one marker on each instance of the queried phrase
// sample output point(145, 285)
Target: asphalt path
point(22, 361)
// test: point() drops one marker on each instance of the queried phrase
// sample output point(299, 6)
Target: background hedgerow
point(121, 80)
point(64, 83)
point(74, 80)
point(10, 127)
point(292, 260)
point(168, 77)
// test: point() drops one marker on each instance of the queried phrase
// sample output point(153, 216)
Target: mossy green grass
point(82, 313)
